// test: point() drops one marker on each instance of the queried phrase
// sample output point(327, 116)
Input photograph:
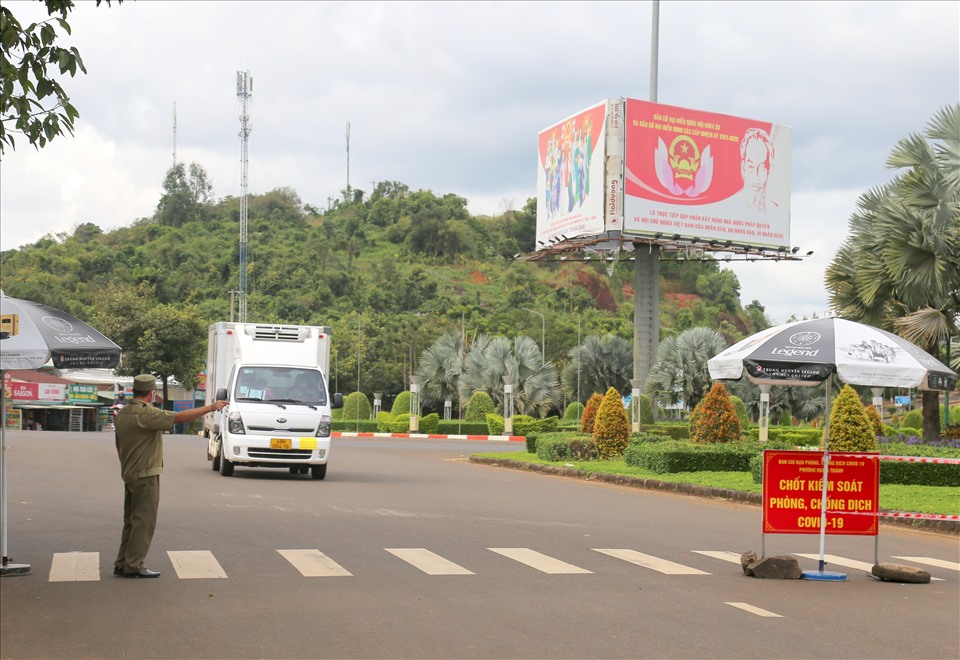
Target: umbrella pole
point(6, 568)
point(826, 468)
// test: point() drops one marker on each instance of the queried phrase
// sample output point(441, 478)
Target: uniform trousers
point(141, 499)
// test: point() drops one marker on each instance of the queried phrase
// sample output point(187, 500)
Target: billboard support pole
point(646, 269)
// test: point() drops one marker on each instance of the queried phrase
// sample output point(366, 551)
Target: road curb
point(429, 436)
point(949, 527)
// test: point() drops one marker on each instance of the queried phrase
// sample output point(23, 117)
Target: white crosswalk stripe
point(539, 561)
point(843, 561)
point(649, 561)
point(428, 562)
point(313, 563)
point(75, 567)
point(939, 563)
point(195, 564)
point(723, 555)
point(746, 607)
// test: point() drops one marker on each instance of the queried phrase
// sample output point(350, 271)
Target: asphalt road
point(408, 551)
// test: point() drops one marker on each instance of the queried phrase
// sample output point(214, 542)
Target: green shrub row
point(683, 456)
point(797, 436)
point(566, 446)
point(675, 431)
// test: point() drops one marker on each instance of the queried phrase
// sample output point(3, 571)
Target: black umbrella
point(31, 335)
point(809, 352)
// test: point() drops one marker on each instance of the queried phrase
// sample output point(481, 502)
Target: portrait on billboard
point(703, 175)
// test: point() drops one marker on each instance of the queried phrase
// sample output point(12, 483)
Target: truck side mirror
point(337, 401)
point(222, 394)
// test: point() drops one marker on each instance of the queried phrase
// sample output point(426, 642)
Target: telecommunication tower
point(244, 92)
point(174, 133)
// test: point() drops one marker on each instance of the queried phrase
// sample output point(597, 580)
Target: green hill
point(390, 271)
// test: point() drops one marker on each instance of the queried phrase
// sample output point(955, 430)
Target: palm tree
point(441, 366)
point(900, 267)
point(601, 362)
point(681, 370)
point(489, 359)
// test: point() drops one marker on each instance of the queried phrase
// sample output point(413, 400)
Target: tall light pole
point(543, 335)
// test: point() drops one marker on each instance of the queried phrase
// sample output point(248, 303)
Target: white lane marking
point(428, 562)
point(755, 610)
point(649, 561)
point(540, 561)
point(930, 561)
point(843, 561)
point(724, 555)
point(195, 564)
point(313, 563)
point(75, 567)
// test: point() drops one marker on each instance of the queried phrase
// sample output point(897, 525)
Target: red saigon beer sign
point(793, 493)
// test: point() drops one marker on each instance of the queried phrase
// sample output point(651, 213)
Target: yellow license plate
point(280, 443)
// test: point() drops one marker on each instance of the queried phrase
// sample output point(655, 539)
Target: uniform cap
point(144, 383)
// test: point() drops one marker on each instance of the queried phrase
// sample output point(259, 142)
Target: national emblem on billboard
point(570, 177)
point(704, 175)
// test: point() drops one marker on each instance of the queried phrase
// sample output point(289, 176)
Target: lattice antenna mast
point(244, 92)
point(174, 133)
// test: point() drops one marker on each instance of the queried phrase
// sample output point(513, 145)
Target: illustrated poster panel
point(704, 175)
point(570, 177)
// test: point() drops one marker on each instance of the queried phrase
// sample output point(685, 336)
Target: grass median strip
point(940, 500)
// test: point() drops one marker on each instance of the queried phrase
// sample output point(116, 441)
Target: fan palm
point(601, 362)
point(681, 370)
point(489, 359)
point(441, 365)
point(900, 267)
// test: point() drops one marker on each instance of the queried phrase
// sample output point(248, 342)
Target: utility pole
point(244, 92)
point(348, 156)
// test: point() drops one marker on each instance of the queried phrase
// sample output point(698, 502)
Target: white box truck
point(274, 379)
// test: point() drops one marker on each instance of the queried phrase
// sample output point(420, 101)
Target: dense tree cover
point(364, 266)
point(32, 101)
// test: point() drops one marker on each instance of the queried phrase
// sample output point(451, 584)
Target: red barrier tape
point(907, 459)
point(898, 514)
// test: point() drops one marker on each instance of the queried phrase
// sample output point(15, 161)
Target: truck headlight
point(235, 423)
point(323, 428)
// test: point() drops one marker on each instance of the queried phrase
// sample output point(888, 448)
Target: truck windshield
point(289, 384)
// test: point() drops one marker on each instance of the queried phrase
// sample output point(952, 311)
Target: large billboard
point(571, 176)
point(694, 174)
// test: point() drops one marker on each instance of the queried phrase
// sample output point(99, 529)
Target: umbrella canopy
point(808, 352)
point(32, 334)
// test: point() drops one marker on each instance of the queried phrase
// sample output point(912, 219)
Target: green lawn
point(941, 500)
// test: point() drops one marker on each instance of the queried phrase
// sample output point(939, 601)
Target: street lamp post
point(543, 335)
point(507, 404)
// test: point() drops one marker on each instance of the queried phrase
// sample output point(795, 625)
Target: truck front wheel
point(226, 467)
point(318, 471)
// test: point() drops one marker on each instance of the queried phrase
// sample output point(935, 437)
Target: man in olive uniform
point(139, 428)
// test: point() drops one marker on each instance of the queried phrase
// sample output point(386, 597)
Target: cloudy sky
point(450, 97)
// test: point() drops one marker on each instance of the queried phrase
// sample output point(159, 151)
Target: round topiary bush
point(401, 404)
point(611, 431)
point(850, 430)
point(912, 419)
point(714, 419)
point(590, 412)
point(356, 406)
point(574, 412)
point(478, 407)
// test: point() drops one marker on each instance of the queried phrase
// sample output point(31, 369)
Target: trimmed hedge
point(675, 431)
point(564, 446)
point(458, 427)
point(678, 456)
point(799, 436)
point(362, 425)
